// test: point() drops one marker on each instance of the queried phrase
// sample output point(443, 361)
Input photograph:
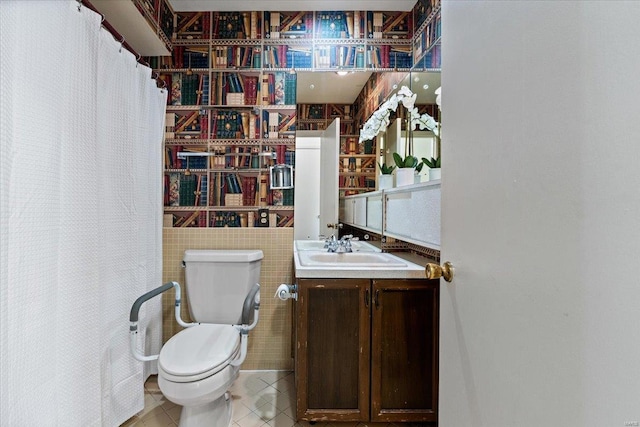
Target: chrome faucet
point(331, 244)
point(343, 245)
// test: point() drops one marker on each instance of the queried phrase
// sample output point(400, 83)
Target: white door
point(307, 184)
point(329, 150)
point(540, 214)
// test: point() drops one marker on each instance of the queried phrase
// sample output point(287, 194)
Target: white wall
point(541, 214)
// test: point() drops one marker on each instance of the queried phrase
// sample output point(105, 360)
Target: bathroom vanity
point(366, 323)
point(366, 345)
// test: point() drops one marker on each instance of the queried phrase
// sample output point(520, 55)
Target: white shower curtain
point(81, 129)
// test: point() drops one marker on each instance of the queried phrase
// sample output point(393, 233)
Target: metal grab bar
point(135, 308)
point(250, 312)
point(134, 316)
point(249, 321)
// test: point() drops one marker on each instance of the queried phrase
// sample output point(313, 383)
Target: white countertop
point(409, 270)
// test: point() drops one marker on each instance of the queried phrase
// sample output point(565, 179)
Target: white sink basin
point(353, 260)
point(318, 245)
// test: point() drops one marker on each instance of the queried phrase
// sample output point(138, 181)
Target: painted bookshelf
point(426, 43)
point(232, 103)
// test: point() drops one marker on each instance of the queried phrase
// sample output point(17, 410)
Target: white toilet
point(197, 366)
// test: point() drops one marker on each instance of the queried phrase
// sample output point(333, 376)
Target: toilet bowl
point(199, 364)
point(194, 372)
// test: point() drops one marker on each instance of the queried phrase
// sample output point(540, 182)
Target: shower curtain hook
point(102, 18)
point(79, 5)
point(138, 60)
point(121, 42)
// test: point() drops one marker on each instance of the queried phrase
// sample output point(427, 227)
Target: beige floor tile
point(167, 404)
point(244, 398)
point(267, 411)
point(157, 418)
point(239, 410)
point(150, 403)
point(285, 401)
point(282, 420)
point(251, 382)
point(251, 420)
point(174, 412)
point(284, 384)
point(151, 384)
point(256, 403)
point(267, 395)
point(290, 412)
point(157, 396)
point(271, 377)
point(131, 422)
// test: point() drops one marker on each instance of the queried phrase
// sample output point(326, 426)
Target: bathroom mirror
point(424, 84)
point(327, 87)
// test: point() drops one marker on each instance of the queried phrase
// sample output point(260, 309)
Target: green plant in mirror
point(386, 170)
point(408, 162)
point(431, 163)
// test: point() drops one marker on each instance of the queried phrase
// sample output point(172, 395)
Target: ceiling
point(424, 84)
point(326, 87)
point(284, 5)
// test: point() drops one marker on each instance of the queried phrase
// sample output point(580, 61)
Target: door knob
point(434, 271)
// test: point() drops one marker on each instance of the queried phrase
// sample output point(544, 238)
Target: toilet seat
point(198, 352)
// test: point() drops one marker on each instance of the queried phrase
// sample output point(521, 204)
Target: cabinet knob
point(434, 271)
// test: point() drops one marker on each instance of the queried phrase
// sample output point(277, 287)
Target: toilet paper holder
point(285, 292)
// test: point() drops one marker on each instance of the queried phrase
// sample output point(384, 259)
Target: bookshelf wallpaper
point(223, 77)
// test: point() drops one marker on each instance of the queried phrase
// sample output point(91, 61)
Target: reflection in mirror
point(425, 143)
point(328, 87)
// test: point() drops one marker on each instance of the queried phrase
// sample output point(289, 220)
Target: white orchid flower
point(390, 104)
point(405, 91)
point(409, 101)
point(380, 119)
point(414, 117)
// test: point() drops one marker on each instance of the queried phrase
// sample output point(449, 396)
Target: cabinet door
point(404, 355)
point(332, 350)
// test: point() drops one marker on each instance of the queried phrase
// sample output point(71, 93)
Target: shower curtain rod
point(116, 35)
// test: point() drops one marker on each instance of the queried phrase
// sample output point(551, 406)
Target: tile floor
point(260, 399)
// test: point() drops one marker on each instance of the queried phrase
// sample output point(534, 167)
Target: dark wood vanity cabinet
point(367, 350)
point(332, 349)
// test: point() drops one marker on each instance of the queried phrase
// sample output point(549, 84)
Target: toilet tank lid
point(222, 255)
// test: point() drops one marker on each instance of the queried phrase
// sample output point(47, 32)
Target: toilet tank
point(217, 282)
